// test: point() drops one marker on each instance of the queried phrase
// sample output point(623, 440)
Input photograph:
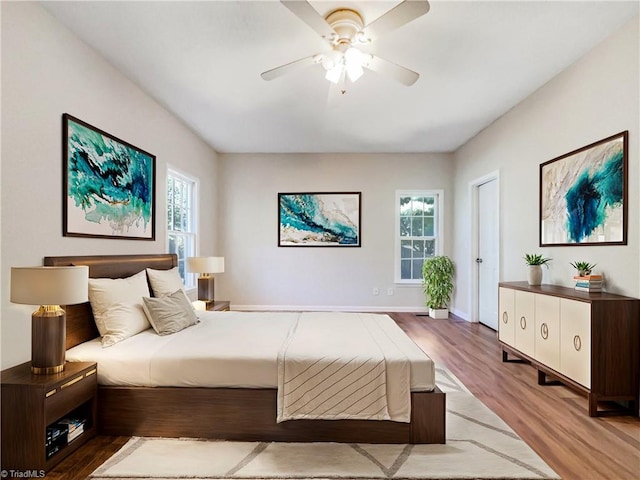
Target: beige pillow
point(164, 282)
point(169, 314)
point(117, 306)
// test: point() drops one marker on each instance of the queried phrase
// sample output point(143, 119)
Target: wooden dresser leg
point(505, 356)
point(593, 405)
point(542, 378)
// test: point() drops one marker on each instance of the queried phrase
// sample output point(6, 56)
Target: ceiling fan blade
point(384, 67)
point(309, 15)
point(399, 15)
point(289, 67)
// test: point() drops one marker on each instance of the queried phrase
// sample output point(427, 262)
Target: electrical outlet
point(390, 291)
point(376, 291)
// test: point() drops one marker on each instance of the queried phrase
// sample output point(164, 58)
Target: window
point(418, 232)
point(181, 221)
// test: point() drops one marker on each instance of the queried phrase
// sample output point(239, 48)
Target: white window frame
point(438, 230)
point(191, 234)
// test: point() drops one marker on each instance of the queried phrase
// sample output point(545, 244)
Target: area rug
point(479, 446)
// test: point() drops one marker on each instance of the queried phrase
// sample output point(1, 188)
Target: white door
point(488, 247)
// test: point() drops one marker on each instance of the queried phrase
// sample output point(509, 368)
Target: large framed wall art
point(583, 195)
point(319, 219)
point(109, 185)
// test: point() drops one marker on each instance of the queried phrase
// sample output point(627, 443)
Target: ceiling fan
point(345, 31)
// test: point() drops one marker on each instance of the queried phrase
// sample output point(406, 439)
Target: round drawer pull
point(577, 343)
point(505, 317)
point(544, 331)
point(523, 323)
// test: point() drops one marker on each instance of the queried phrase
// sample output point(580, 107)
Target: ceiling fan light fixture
point(342, 29)
point(354, 60)
point(332, 60)
point(335, 74)
point(354, 71)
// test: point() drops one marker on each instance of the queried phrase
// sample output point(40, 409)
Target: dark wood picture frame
point(109, 185)
point(320, 219)
point(584, 195)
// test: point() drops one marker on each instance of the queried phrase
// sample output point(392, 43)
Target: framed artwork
point(109, 185)
point(319, 219)
point(583, 195)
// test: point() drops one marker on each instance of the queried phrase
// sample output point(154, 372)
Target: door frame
point(474, 186)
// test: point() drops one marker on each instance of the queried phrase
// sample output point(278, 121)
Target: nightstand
point(219, 305)
point(32, 403)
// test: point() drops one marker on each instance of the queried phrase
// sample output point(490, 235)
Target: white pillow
point(165, 282)
point(169, 314)
point(117, 306)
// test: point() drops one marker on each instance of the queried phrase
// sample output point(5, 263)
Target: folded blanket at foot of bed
point(343, 366)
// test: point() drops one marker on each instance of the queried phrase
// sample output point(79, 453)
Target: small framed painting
point(109, 185)
point(583, 195)
point(319, 219)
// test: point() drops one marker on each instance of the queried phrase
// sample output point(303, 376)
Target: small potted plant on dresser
point(437, 280)
point(586, 281)
point(535, 262)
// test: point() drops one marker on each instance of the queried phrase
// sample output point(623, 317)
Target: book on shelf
point(74, 427)
point(56, 438)
point(55, 433)
point(75, 434)
point(588, 289)
point(595, 276)
point(588, 283)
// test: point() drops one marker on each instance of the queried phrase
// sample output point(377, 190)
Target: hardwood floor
point(553, 420)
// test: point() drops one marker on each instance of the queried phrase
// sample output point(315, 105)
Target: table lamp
point(205, 266)
point(49, 287)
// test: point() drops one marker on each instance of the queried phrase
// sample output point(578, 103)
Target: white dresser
point(588, 341)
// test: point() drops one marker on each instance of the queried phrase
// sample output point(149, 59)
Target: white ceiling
point(476, 59)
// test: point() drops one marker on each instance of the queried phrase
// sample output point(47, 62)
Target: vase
point(439, 313)
point(535, 274)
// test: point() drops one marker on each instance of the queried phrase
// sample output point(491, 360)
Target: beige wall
point(46, 71)
point(596, 97)
point(261, 275)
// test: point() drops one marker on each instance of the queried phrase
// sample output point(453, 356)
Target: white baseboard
point(461, 314)
point(325, 308)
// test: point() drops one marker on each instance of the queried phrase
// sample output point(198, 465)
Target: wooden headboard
point(80, 324)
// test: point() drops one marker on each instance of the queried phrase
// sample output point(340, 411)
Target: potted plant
point(583, 268)
point(437, 280)
point(535, 262)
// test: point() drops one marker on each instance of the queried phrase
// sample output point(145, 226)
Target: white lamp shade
point(49, 285)
point(205, 264)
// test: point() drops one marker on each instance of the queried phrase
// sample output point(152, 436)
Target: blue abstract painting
point(319, 219)
point(109, 185)
point(583, 195)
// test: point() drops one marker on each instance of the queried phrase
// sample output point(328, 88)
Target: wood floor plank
point(553, 420)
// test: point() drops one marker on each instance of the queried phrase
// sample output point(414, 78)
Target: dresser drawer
point(70, 394)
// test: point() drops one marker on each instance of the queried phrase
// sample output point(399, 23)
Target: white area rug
point(479, 446)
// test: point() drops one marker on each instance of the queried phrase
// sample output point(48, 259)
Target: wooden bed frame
point(225, 413)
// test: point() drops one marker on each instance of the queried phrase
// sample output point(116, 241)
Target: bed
point(232, 412)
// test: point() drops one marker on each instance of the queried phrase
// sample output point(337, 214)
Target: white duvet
point(240, 350)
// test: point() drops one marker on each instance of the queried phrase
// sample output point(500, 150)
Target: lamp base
point(205, 288)
point(47, 370)
point(48, 335)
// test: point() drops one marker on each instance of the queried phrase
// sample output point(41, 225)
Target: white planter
point(439, 313)
point(535, 274)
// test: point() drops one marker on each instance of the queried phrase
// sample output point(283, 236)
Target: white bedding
point(226, 349)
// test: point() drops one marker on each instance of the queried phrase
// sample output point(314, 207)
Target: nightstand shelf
point(31, 403)
point(219, 306)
